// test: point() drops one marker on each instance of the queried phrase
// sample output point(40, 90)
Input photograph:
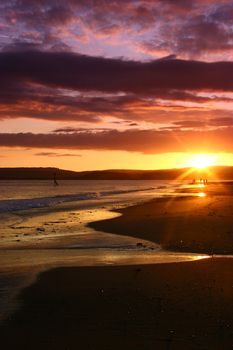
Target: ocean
point(24, 194)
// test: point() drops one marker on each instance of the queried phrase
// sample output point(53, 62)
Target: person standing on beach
point(55, 180)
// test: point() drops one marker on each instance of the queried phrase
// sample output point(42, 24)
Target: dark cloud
point(17, 91)
point(133, 124)
point(55, 105)
point(22, 46)
point(66, 86)
point(222, 13)
point(201, 34)
point(133, 140)
point(66, 130)
point(71, 130)
point(215, 122)
point(54, 154)
point(225, 121)
point(72, 71)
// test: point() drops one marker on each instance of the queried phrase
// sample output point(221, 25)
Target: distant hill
point(217, 172)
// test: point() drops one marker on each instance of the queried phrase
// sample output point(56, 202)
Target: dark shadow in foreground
point(169, 306)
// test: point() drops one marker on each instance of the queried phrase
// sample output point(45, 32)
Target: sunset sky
point(98, 84)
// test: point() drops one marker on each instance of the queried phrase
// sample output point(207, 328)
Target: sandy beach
point(167, 306)
point(183, 305)
point(195, 224)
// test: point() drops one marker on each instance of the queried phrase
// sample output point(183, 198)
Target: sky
point(99, 84)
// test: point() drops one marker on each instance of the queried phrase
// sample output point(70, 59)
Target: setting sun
point(201, 161)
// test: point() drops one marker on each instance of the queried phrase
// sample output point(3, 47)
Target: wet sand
point(168, 306)
point(50, 228)
point(59, 226)
point(191, 224)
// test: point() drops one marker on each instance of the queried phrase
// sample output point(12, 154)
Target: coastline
point(63, 224)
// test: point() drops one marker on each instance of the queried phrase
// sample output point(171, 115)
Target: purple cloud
point(133, 140)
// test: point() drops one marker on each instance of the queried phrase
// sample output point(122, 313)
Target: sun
point(201, 161)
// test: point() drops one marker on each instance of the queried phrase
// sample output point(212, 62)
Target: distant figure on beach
point(194, 181)
point(55, 180)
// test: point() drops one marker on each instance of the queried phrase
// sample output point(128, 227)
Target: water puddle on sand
point(41, 259)
point(19, 268)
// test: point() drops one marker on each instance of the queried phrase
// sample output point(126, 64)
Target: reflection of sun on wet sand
point(48, 228)
point(196, 224)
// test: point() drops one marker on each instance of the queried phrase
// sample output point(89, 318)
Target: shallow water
point(35, 211)
point(19, 268)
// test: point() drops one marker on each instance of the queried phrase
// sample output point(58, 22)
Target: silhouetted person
point(55, 180)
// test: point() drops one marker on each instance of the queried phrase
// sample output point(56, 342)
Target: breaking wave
point(24, 204)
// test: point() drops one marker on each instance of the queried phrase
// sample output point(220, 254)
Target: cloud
point(133, 140)
point(54, 154)
point(79, 72)
point(214, 122)
point(174, 27)
point(190, 123)
point(133, 124)
point(90, 61)
point(224, 121)
point(68, 130)
point(202, 34)
point(203, 31)
point(70, 87)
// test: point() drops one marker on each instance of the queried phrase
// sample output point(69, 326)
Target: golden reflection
point(199, 257)
point(201, 194)
point(201, 185)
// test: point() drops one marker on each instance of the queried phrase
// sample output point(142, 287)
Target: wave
point(41, 202)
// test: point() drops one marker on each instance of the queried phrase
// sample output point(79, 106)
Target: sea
point(24, 194)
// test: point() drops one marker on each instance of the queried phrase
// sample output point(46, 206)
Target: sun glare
point(201, 194)
point(201, 161)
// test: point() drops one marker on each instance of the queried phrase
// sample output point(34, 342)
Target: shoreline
point(58, 226)
point(146, 219)
point(179, 224)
